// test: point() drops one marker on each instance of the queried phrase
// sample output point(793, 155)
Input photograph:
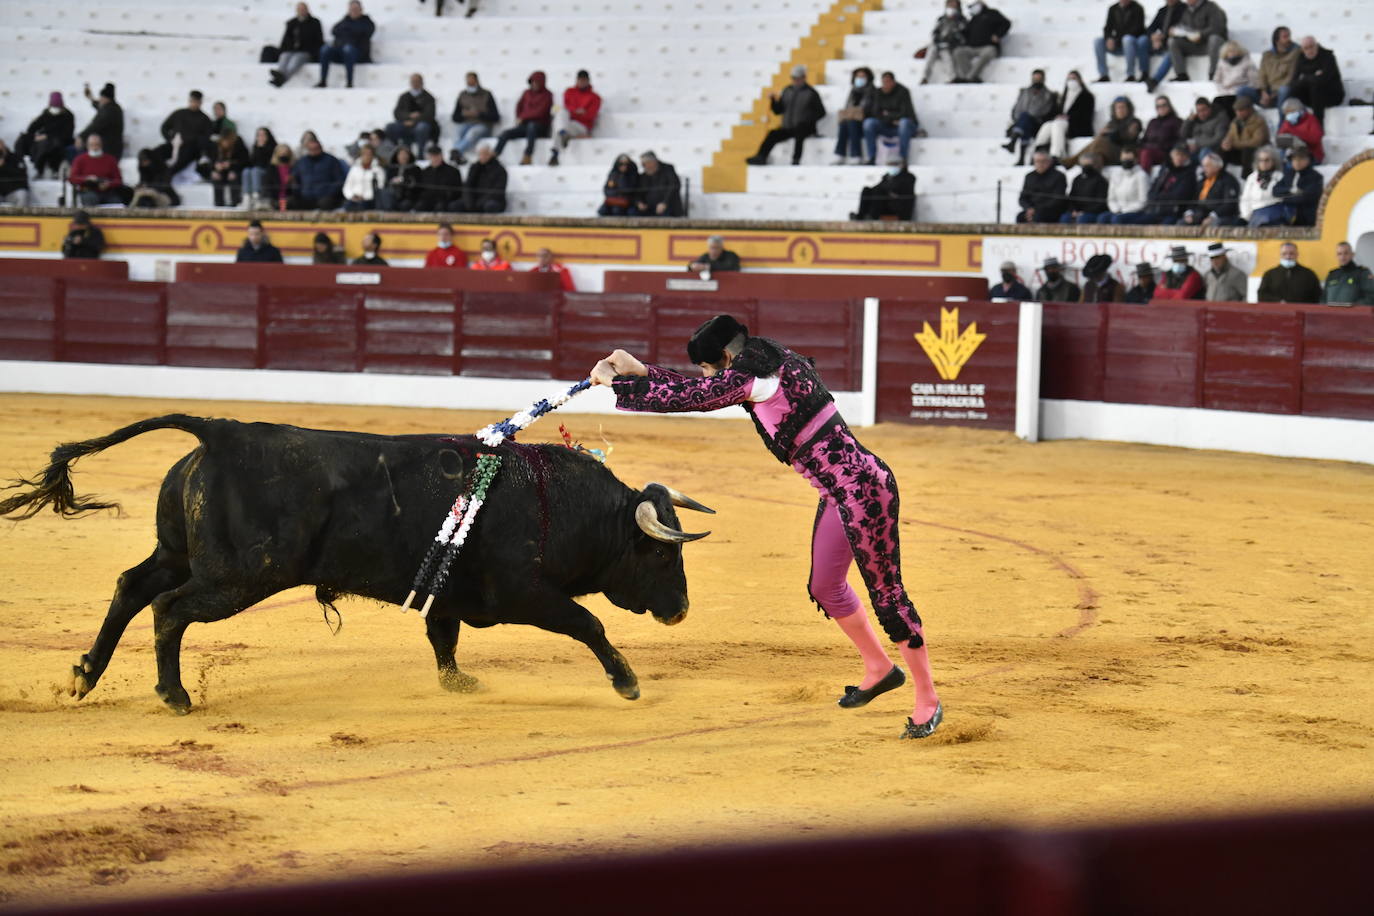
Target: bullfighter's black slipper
point(855, 697)
point(926, 728)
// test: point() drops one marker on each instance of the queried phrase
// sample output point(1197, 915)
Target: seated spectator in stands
point(306, 139)
point(14, 179)
point(1160, 135)
point(1123, 129)
point(547, 265)
point(154, 187)
point(1247, 133)
point(414, 113)
point(1349, 283)
point(1125, 24)
point(893, 115)
point(108, 122)
point(279, 184)
point(325, 252)
point(319, 180)
point(1201, 29)
point(220, 122)
point(1128, 194)
point(1072, 118)
point(403, 182)
point(716, 258)
point(1034, 105)
point(440, 187)
point(621, 188)
point(1155, 41)
point(1260, 206)
point(351, 45)
point(1303, 126)
point(1144, 289)
point(1098, 283)
point(1181, 281)
point(1289, 281)
point(577, 117)
point(1225, 282)
point(1218, 195)
point(1205, 128)
point(255, 172)
point(1276, 69)
point(300, 44)
point(187, 134)
point(1011, 286)
point(485, 189)
point(445, 253)
point(1174, 188)
point(82, 240)
point(476, 116)
point(801, 108)
point(849, 120)
point(1317, 78)
point(1088, 194)
point(893, 197)
point(226, 171)
point(947, 35)
point(364, 179)
point(47, 137)
point(1042, 193)
point(95, 176)
point(1057, 287)
point(489, 259)
point(256, 249)
point(1236, 75)
point(1300, 189)
point(983, 34)
point(372, 252)
point(382, 146)
point(534, 111)
point(659, 188)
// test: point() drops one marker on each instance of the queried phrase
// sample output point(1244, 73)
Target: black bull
point(261, 507)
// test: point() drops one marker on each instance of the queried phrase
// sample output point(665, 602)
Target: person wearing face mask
point(849, 132)
point(1180, 280)
point(1057, 287)
point(1276, 69)
point(1300, 189)
point(95, 176)
point(1144, 289)
point(982, 42)
point(1128, 194)
point(1247, 133)
point(489, 259)
point(476, 116)
point(1303, 126)
point(1123, 129)
point(1011, 286)
point(414, 114)
point(1088, 194)
point(893, 197)
point(1073, 118)
point(947, 35)
point(1260, 205)
point(445, 253)
point(1235, 75)
point(1289, 281)
point(47, 137)
point(1034, 106)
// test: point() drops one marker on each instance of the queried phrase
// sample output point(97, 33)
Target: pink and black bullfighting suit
point(856, 519)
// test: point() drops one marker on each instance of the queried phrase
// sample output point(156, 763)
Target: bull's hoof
point(177, 700)
point(83, 677)
point(627, 688)
point(458, 682)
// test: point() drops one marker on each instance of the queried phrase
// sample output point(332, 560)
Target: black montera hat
point(709, 341)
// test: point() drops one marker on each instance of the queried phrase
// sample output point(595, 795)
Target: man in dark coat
point(300, 44)
point(1125, 24)
point(659, 188)
point(1349, 283)
point(352, 44)
point(1057, 288)
point(982, 42)
point(372, 252)
point(1218, 196)
point(1088, 195)
point(47, 137)
point(441, 185)
point(83, 240)
point(1317, 78)
point(1098, 283)
point(893, 115)
point(319, 180)
point(1042, 193)
point(1201, 30)
point(1289, 281)
point(801, 108)
point(1144, 289)
point(108, 123)
point(894, 195)
point(1011, 286)
point(187, 134)
point(414, 113)
point(14, 179)
point(1173, 188)
point(485, 189)
point(256, 249)
point(716, 258)
point(1300, 188)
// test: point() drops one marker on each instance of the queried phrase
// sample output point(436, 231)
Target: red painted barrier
point(757, 285)
point(64, 268)
point(328, 275)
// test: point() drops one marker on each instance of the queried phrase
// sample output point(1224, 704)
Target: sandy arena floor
point(1119, 632)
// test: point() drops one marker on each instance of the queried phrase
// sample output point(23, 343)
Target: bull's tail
point(54, 486)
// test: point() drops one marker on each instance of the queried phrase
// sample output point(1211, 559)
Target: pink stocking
point(876, 663)
point(918, 663)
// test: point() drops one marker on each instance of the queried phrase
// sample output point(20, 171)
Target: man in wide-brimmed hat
point(1098, 283)
point(1225, 282)
point(1057, 287)
point(1180, 281)
point(1144, 289)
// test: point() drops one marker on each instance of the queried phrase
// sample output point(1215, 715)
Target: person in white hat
point(801, 108)
point(1225, 282)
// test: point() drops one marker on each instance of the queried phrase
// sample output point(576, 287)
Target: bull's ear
point(681, 500)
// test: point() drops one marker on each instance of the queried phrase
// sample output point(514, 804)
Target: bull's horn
point(681, 500)
point(647, 517)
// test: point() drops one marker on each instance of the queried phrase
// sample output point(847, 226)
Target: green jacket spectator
point(1350, 283)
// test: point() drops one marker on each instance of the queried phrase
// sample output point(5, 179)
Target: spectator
point(220, 122)
point(1160, 134)
point(1174, 187)
point(1349, 283)
point(1073, 118)
point(226, 172)
point(403, 180)
point(83, 240)
point(108, 123)
point(1201, 29)
point(1317, 78)
point(445, 253)
point(47, 137)
point(1218, 194)
point(1181, 281)
point(300, 44)
point(154, 183)
point(1247, 133)
point(717, 257)
point(1088, 194)
point(1205, 128)
point(352, 44)
point(1260, 206)
point(1235, 75)
point(1098, 283)
point(547, 265)
point(1276, 68)
point(577, 117)
point(1011, 286)
point(1057, 287)
point(659, 188)
point(95, 176)
point(476, 115)
point(1300, 189)
point(489, 259)
point(279, 184)
point(1125, 24)
point(1123, 129)
point(372, 252)
point(325, 252)
point(414, 114)
point(947, 35)
point(1042, 192)
point(1034, 105)
point(364, 179)
point(382, 146)
point(485, 191)
point(1128, 194)
point(892, 115)
point(1156, 41)
point(622, 188)
point(893, 197)
point(256, 249)
point(319, 180)
point(1289, 281)
point(534, 111)
point(801, 108)
point(14, 179)
point(440, 186)
point(306, 139)
point(187, 134)
point(255, 172)
point(850, 119)
point(1225, 282)
point(1144, 289)
point(1303, 127)
point(983, 35)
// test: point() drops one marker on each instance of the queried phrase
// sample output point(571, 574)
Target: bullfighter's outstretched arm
point(663, 391)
